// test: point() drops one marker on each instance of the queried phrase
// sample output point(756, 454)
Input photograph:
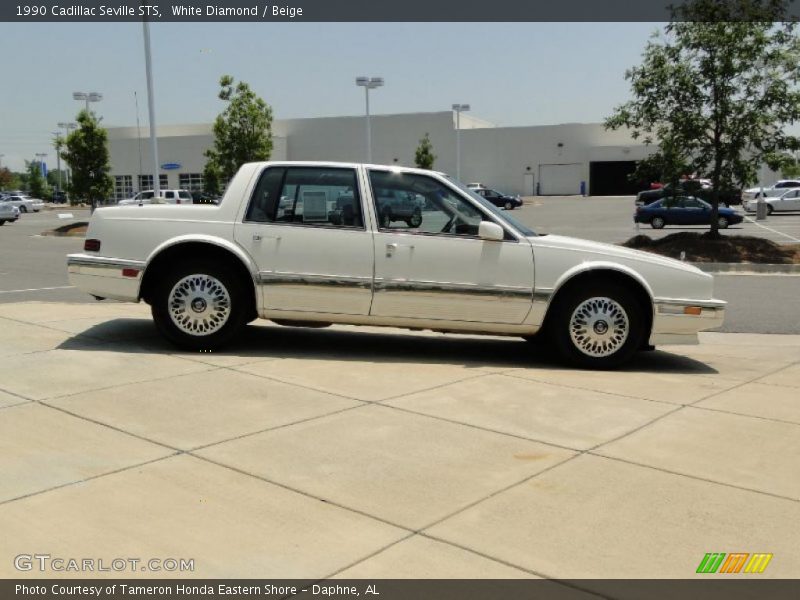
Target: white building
point(547, 160)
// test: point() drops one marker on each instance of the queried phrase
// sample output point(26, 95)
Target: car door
point(694, 212)
point(305, 229)
point(441, 270)
point(789, 201)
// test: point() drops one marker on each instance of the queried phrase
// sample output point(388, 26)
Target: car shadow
point(266, 340)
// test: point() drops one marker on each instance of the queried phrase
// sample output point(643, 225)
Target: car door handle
point(392, 247)
point(257, 237)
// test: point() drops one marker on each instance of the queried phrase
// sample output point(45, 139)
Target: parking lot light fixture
point(459, 108)
point(67, 126)
point(369, 83)
point(87, 97)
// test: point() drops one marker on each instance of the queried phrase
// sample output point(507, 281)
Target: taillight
point(91, 246)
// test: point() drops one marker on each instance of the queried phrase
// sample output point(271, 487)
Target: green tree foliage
point(720, 84)
point(424, 156)
point(8, 180)
point(87, 156)
point(37, 185)
point(242, 133)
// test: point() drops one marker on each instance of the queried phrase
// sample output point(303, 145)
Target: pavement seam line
point(301, 492)
point(479, 428)
point(695, 477)
point(87, 479)
point(739, 414)
point(775, 372)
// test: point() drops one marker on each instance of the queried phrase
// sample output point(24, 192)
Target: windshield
point(501, 214)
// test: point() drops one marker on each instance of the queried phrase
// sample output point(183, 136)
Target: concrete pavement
point(358, 452)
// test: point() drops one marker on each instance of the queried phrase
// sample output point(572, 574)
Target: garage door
point(560, 180)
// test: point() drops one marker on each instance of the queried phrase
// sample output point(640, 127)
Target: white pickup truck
point(305, 243)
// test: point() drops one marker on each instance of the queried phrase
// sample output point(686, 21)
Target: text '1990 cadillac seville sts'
point(321, 242)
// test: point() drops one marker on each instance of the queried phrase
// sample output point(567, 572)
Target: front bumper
point(677, 320)
point(114, 278)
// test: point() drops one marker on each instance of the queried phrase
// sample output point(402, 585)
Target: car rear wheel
point(509, 205)
point(657, 223)
point(598, 327)
point(2, 223)
point(722, 222)
point(769, 209)
point(200, 305)
point(23, 209)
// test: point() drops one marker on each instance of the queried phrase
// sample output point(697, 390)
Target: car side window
point(420, 204)
point(322, 197)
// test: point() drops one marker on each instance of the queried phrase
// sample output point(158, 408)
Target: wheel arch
point(209, 247)
point(604, 272)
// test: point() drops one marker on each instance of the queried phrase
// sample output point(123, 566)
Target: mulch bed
point(700, 247)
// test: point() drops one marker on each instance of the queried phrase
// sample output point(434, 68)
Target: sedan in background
point(25, 203)
point(8, 213)
point(498, 199)
point(771, 191)
point(780, 202)
point(684, 210)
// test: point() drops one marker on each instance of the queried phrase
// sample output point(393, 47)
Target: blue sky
point(510, 73)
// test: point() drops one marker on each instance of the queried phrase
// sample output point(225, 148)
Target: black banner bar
point(41, 11)
point(712, 588)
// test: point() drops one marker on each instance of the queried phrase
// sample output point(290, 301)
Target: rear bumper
point(677, 320)
point(114, 278)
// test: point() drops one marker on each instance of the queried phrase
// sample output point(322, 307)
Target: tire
point(508, 206)
point(415, 220)
point(599, 326)
point(769, 209)
point(23, 209)
point(657, 223)
point(722, 222)
point(2, 223)
point(385, 220)
point(200, 305)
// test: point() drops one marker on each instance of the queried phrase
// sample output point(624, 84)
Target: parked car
point(400, 205)
point(699, 188)
point(476, 186)
point(59, 197)
point(25, 203)
point(777, 200)
point(499, 199)
point(208, 270)
point(684, 210)
point(770, 191)
point(164, 197)
point(8, 213)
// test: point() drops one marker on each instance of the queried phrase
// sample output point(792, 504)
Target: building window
point(191, 181)
point(146, 182)
point(123, 186)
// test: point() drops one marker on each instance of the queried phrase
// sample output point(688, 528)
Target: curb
point(746, 268)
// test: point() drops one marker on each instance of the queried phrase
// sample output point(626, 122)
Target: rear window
point(186, 195)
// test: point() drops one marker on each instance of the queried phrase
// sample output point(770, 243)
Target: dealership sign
point(171, 166)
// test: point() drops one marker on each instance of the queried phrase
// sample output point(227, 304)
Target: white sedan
point(8, 213)
point(308, 243)
point(776, 202)
point(25, 204)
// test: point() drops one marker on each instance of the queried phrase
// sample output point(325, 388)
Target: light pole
point(369, 83)
point(67, 126)
point(1, 160)
point(87, 97)
point(459, 108)
point(151, 107)
point(57, 146)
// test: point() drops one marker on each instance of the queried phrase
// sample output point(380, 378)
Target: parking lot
point(377, 453)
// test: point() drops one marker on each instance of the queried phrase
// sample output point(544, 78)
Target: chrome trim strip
point(452, 288)
point(267, 278)
point(542, 295)
point(101, 262)
point(664, 302)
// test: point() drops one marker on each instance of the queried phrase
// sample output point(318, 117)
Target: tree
point(211, 178)
point(721, 85)
point(242, 133)
point(87, 156)
point(37, 185)
point(424, 156)
point(8, 180)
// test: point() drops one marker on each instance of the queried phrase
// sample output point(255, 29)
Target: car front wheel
point(509, 206)
point(657, 223)
point(199, 305)
point(722, 222)
point(23, 209)
point(598, 327)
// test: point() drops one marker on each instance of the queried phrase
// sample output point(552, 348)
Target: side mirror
point(490, 231)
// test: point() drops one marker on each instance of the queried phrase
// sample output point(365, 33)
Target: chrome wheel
point(599, 327)
point(199, 304)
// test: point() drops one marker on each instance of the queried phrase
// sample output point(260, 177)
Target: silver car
point(8, 213)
